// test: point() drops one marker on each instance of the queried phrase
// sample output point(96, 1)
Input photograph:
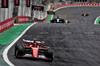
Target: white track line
point(96, 19)
point(5, 52)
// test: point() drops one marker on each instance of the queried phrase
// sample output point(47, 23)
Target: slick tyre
point(19, 50)
point(50, 55)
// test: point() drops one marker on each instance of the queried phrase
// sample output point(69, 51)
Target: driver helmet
point(57, 16)
point(34, 39)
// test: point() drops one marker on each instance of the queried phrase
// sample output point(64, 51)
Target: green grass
point(49, 17)
point(98, 20)
point(9, 35)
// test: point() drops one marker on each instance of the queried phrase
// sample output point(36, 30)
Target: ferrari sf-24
point(33, 49)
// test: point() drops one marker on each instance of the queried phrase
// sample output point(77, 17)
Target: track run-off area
point(75, 44)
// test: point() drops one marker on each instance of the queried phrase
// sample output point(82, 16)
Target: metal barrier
point(77, 4)
point(6, 24)
point(23, 19)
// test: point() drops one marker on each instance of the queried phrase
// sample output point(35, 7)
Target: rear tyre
point(82, 14)
point(87, 15)
point(17, 53)
point(19, 50)
point(16, 45)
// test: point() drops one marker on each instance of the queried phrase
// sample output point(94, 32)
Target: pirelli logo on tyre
point(4, 3)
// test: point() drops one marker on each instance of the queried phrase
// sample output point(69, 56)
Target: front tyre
point(50, 55)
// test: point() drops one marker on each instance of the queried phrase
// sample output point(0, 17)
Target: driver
point(35, 42)
point(57, 16)
point(34, 39)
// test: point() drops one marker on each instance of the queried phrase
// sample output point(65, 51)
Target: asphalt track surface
point(75, 44)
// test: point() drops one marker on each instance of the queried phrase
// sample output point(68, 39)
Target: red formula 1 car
point(33, 49)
